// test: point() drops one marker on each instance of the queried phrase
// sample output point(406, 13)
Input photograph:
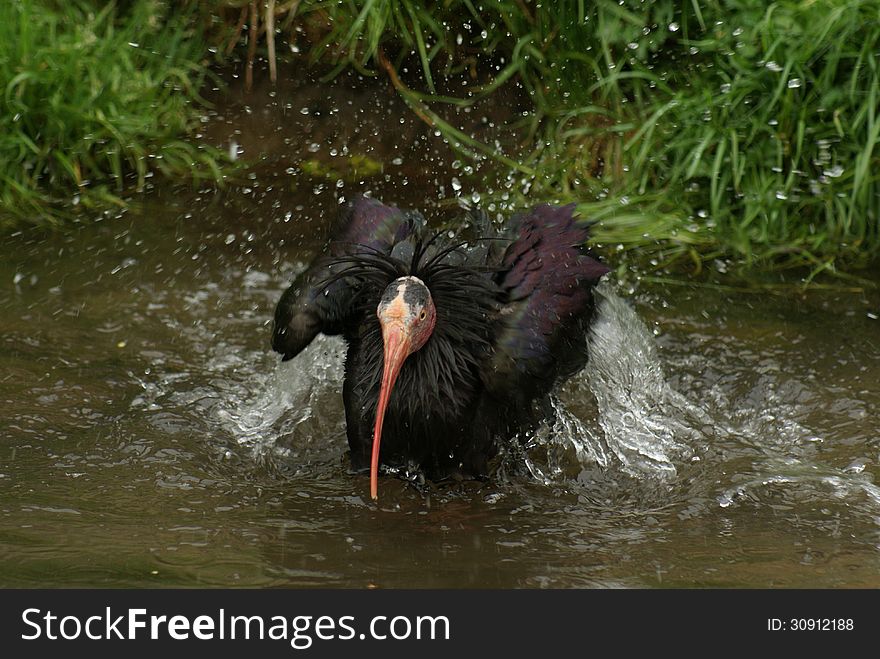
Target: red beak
point(397, 347)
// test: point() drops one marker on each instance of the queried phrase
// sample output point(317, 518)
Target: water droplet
point(857, 466)
point(725, 88)
point(781, 195)
point(230, 239)
point(834, 172)
point(456, 184)
point(674, 27)
point(773, 66)
point(794, 83)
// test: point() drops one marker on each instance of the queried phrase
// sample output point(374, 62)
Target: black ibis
point(453, 346)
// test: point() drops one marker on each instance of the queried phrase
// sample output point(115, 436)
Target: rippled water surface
point(151, 438)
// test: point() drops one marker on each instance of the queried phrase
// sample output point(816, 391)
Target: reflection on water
point(151, 438)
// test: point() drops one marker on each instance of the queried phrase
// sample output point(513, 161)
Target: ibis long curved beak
point(397, 342)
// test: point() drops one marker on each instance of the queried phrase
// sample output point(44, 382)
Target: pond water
point(150, 437)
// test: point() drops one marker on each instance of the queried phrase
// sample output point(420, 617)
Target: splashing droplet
point(834, 172)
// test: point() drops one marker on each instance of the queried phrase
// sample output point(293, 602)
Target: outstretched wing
point(319, 299)
point(548, 277)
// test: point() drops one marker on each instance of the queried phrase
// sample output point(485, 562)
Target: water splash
point(762, 425)
point(568, 445)
point(647, 424)
point(640, 425)
point(292, 401)
point(786, 459)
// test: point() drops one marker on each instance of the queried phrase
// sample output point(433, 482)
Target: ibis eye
point(423, 315)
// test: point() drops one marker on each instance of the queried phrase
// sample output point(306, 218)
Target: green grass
point(691, 130)
point(765, 138)
point(94, 99)
point(734, 129)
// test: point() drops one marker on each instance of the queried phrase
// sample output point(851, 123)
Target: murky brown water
point(149, 437)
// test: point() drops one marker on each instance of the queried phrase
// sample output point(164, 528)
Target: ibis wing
point(366, 224)
point(320, 298)
point(547, 276)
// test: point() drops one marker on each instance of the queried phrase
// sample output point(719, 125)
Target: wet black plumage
point(512, 313)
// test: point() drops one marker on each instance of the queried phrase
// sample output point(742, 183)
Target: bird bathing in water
point(453, 346)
